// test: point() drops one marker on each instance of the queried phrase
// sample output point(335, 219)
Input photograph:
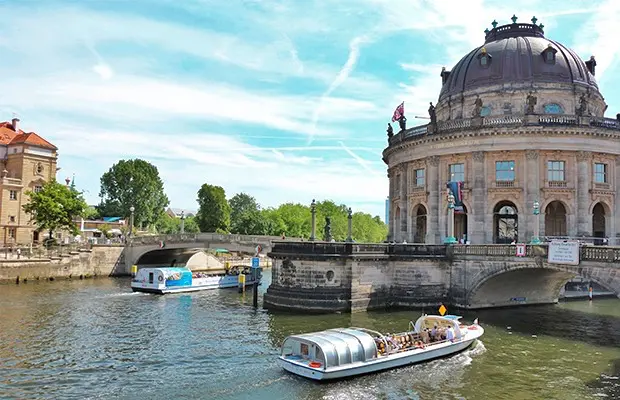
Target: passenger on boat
point(434, 334)
point(425, 336)
point(450, 334)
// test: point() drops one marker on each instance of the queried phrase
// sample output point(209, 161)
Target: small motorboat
point(164, 280)
point(346, 352)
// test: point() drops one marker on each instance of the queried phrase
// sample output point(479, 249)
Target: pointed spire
point(534, 19)
point(514, 19)
point(494, 23)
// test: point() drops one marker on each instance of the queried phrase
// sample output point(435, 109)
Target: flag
point(457, 192)
point(399, 112)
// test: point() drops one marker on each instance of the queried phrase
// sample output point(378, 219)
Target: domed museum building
point(519, 133)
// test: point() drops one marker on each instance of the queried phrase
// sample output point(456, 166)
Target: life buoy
point(160, 278)
point(315, 364)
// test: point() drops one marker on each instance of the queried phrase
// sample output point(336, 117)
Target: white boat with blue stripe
point(347, 352)
point(165, 280)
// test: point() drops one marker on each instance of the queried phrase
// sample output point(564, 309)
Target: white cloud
point(104, 71)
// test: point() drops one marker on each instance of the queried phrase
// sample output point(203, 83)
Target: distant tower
point(387, 210)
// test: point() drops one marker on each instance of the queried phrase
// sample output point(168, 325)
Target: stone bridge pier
point(339, 277)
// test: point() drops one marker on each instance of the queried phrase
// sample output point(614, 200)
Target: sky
point(287, 101)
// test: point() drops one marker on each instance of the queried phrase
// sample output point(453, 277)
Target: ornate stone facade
point(544, 142)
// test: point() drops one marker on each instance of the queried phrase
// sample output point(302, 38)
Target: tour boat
point(180, 279)
point(346, 352)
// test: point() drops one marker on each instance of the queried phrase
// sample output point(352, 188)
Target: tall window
point(13, 194)
point(555, 171)
point(419, 177)
point(457, 173)
point(11, 233)
point(504, 170)
point(600, 173)
point(37, 189)
point(397, 185)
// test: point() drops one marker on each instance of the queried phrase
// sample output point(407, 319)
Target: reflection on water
point(97, 339)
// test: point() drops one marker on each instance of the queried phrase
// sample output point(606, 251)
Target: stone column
point(432, 165)
point(532, 193)
point(390, 221)
point(404, 224)
point(616, 217)
point(475, 217)
point(584, 218)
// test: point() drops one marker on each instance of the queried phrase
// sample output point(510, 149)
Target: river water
point(95, 339)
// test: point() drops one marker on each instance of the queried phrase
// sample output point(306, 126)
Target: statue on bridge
point(328, 229)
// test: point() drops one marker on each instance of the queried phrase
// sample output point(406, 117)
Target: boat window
point(150, 277)
point(304, 349)
point(318, 354)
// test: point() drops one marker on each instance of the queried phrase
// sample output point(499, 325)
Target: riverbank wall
point(99, 260)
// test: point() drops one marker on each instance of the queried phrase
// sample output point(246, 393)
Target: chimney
point(15, 123)
point(591, 65)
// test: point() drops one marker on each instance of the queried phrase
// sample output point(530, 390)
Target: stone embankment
point(98, 260)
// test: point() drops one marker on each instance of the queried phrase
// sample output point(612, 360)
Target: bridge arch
point(531, 283)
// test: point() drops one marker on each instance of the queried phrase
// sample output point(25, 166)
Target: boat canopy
point(430, 321)
point(332, 347)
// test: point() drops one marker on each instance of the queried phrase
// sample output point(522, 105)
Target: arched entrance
point(555, 219)
point(460, 224)
point(419, 222)
point(598, 222)
point(506, 223)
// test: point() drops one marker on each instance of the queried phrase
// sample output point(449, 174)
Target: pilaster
point(390, 221)
point(584, 218)
point(532, 193)
point(404, 218)
point(475, 218)
point(615, 227)
point(433, 199)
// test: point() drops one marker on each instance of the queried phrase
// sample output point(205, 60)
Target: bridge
point(342, 277)
point(162, 250)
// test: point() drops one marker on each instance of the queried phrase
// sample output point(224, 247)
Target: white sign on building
point(564, 252)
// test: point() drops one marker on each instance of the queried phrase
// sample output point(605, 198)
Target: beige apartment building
point(520, 123)
point(28, 161)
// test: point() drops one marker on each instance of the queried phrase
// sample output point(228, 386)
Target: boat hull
point(154, 280)
point(377, 364)
point(185, 289)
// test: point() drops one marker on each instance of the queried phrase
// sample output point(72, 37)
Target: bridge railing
point(200, 237)
point(340, 248)
point(586, 253)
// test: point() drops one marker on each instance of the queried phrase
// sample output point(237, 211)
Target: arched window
point(553, 108)
point(549, 55)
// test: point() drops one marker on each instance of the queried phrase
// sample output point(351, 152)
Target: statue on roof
point(477, 107)
point(390, 131)
point(583, 105)
point(402, 122)
point(530, 103)
point(432, 114)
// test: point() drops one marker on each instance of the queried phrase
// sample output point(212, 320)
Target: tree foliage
point(54, 208)
point(170, 225)
point(213, 209)
point(133, 183)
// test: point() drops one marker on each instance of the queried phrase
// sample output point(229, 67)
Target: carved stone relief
point(531, 154)
point(433, 160)
point(583, 155)
point(478, 156)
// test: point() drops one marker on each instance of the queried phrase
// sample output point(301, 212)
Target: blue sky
point(285, 100)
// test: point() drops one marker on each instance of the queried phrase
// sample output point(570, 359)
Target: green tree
point(54, 208)
point(170, 225)
point(213, 209)
point(133, 183)
point(91, 213)
point(246, 217)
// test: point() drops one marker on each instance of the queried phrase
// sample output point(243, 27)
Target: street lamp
point(350, 227)
point(313, 212)
point(450, 239)
point(182, 221)
point(131, 210)
point(536, 210)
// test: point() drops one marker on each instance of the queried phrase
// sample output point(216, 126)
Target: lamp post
point(450, 239)
point(313, 212)
point(131, 210)
point(350, 226)
point(182, 221)
point(536, 209)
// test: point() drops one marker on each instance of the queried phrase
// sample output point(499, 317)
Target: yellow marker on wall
point(134, 270)
point(442, 310)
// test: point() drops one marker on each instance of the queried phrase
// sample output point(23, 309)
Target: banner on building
point(457, 192)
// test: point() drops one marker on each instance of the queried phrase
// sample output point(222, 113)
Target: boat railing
point(373, 332)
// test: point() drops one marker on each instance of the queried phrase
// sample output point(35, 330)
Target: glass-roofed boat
point(346, 352)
